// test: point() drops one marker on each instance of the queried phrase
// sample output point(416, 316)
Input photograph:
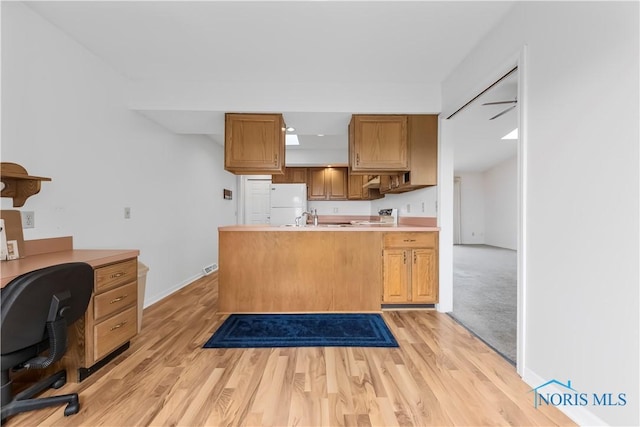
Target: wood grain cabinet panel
point(396, 276)
point(114, 275)
point(291, 176)
point(113, 332)
point(327, 184)
point(356, 190)
point(378, 144)
point(424, 274)
point(111, 319)
point(410, 268)
point(254, 144)
point(114, 300)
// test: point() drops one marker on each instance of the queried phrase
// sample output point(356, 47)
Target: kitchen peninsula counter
point(265, 269)
point(330, 227)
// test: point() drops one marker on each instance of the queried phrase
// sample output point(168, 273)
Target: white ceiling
point(478, 140)
point(265, 42)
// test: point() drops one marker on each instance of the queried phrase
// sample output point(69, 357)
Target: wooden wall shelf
point(18, 184)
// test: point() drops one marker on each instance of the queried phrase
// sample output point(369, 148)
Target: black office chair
point(35, 311)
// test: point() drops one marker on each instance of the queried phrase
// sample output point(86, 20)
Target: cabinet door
point(336, 183)
point(396, 275)
point(316, 184)
point(379, 144)
point(424, 274)
point(254, 143)
point(291, 176)
point(355, 190)
point(297, 175)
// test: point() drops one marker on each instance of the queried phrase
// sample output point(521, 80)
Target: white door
point(256, 202)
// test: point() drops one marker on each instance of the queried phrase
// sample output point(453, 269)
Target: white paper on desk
point(4, 252)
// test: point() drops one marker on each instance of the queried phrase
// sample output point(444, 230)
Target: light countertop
point(329, 227)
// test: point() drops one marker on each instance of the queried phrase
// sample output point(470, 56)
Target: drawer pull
point(120, 298)
point(118, 274)
point(409, 240)
point(118, 326)
point(405, 257)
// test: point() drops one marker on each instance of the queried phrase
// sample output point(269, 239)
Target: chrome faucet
point(313, 214)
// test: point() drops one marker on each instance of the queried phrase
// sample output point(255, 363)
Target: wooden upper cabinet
point(378, 144)
point(291, 176)
point(327, 184)
point(254, 144)
point(357, 190)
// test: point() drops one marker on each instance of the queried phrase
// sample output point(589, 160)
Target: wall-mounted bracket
point(18, 184)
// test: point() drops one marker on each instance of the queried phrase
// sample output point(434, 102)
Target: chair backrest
point(30, 300)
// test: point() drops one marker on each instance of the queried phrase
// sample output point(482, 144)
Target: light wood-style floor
point(440, 375)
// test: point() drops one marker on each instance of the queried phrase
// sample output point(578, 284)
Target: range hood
point(373, 183)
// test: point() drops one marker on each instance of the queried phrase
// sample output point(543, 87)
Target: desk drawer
point(410, 240)
point(113, 332)
point(114, 300)
point(110, 276)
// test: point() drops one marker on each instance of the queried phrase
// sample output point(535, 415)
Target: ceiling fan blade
point(503, 112)
point(500, 102)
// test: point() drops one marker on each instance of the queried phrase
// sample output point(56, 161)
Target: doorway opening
point(485, 215)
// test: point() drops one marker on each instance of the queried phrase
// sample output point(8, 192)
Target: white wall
point(422, 202)
point(350, 207)
point(64, 116)
point(501, 204)
point(580, 137)
point(472, 208)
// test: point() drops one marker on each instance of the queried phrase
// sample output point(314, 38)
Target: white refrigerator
point(288, 201)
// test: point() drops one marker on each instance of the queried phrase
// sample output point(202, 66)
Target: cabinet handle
point(414, 257)
point(118, 326)
point(118, 274)
point(357, 158)
point(409, 240)
point(120, 298)
point(275, 159)
point(405, 257)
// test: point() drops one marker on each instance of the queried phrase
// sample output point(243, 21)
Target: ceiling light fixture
point(321, 134)
point(511, 135)
point(291, 139)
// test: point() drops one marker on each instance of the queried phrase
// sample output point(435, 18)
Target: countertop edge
point(350, 228)
point(93, 257)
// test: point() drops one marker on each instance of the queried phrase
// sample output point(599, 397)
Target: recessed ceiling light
point(511, 135)
point(321, 134)
point(291, 139)
point(290, 129)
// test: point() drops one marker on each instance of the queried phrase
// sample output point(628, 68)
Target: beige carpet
point(485, 294)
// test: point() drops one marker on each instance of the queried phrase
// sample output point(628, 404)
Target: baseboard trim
point(579, 414)
point(172, 290)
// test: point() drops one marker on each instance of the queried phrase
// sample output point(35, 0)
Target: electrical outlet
point(335, 210)
point(127, 213)
point(28, 219)
point(422, 207)
point(408, 207)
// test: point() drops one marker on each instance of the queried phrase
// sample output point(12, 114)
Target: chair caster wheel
point(59, 383)
point(72, 408)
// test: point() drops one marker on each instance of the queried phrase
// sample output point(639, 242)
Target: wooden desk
point(111, 317)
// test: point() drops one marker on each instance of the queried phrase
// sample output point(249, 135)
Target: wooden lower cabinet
point(111, 319)
point(410, 268)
